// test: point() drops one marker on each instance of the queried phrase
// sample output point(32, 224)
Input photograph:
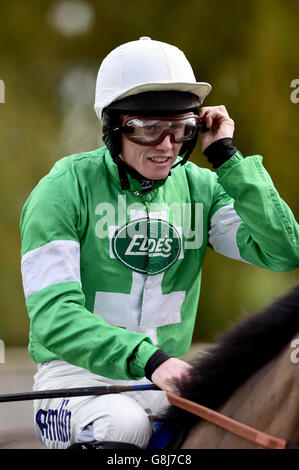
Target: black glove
point(220, 151)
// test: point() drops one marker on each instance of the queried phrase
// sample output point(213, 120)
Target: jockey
point(113, 241)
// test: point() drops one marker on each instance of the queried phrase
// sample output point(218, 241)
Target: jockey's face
point(152, 161)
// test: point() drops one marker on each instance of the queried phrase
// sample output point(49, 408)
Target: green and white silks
point(110, 276)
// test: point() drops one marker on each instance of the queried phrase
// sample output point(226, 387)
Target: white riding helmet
point(144, 65)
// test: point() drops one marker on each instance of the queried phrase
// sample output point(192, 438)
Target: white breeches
point(125, 417)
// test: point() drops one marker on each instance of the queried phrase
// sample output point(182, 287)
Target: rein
point(240, 429)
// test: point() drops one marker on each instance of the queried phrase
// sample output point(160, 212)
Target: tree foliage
point(247, 50)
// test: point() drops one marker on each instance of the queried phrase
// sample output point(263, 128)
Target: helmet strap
point(123, 169)
point(189, 150)
point(123, 176)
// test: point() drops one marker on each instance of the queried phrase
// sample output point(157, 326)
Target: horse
point(251, 374)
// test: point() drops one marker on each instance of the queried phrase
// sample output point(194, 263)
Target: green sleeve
point(268, 235)
point(60, 325)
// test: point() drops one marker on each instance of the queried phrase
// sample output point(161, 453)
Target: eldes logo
point(147, 245)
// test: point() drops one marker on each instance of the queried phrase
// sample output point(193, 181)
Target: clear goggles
point(150, 130)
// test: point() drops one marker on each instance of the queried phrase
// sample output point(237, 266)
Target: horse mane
point(237, 354)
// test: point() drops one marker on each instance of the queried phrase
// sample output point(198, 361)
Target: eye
point(150, 124)
point(176, 126)
point(151, 127)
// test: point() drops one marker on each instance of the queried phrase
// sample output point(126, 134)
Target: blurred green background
point(50, 52)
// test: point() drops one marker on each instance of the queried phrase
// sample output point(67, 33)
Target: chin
point(158, 175)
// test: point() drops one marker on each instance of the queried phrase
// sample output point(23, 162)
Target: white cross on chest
point(159, 309)
point(144, 309)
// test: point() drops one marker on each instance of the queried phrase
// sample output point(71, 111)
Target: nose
point(165, 144)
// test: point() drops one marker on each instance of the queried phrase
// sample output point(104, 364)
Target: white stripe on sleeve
point(55, 262)
point(223, 232)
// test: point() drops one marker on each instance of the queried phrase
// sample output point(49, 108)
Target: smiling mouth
point(160, 159)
